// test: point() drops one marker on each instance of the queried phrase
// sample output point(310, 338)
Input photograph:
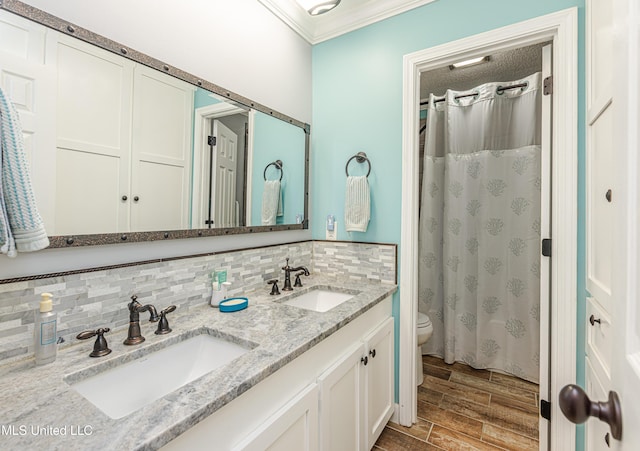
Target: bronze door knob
point(577, 407)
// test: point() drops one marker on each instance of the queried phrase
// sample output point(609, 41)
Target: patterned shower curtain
point(479, 230)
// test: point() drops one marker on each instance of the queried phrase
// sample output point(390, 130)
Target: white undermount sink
point(319, 300)
point(124, 389)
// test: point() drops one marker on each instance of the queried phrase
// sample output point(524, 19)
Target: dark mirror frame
point(65, 27)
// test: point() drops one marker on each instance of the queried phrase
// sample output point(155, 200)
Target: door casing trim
point(562, 29)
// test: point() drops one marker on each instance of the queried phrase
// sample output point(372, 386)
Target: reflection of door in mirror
point(221, 145)
point(28, 83)
point(223, 198)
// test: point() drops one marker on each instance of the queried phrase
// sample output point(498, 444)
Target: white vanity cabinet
point(356, 393)
point(324, 399)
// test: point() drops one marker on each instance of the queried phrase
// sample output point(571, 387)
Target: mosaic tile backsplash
point(365, 261)
point(89, 300)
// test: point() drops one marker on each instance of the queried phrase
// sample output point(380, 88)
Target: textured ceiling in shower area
point(502, 67)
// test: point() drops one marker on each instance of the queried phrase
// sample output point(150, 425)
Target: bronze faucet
point(135, 335)
point(287, 275)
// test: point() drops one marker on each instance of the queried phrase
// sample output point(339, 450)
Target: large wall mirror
point(124, 147)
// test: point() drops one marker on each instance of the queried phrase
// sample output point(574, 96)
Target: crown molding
point(348, 16)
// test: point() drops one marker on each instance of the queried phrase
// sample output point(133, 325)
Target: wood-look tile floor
point(461, 408)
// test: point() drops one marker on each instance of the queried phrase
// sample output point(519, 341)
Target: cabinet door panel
point(379, 400)
point(161, 198)
point(93, 124)
point(294, 427)
point(161, 151)
point(87, 194)
point(341, 403)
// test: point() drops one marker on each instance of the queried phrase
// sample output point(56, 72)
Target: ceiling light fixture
point(316, 7)
point(469, 62)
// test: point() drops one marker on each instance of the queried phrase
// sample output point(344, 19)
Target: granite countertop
point(37, 400)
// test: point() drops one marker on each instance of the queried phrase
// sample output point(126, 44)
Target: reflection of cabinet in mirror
point(122, 155)
point(110, 120)
point(123, 144)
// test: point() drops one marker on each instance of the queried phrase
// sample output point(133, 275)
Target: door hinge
point(546, 247)
point(548, 85)
point(545, 409)
point(211, 140)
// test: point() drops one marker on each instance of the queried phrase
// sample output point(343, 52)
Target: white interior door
point(600, 213)
point(612, 359)
point(225, 164)
point(545, 261)
point(625, 312)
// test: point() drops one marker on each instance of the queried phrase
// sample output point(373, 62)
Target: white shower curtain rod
point(500, 88)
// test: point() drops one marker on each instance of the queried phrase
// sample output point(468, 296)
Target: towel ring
point(360, 157)
point(277, 164)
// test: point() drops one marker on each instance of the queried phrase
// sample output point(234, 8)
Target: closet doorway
point(559, 319)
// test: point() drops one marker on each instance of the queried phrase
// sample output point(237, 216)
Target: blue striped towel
point(21, 227)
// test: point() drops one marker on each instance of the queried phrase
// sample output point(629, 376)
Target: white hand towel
point(280, 200)
point(21, 227)
point(270, 201)
point(357, 205)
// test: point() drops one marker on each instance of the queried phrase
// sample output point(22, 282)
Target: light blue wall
point(357, 106)
point(202, 97)
point(278, 140)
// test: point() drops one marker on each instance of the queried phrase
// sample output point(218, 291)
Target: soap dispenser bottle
point(45, 331)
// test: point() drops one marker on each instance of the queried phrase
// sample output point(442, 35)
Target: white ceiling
point(349, 15)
